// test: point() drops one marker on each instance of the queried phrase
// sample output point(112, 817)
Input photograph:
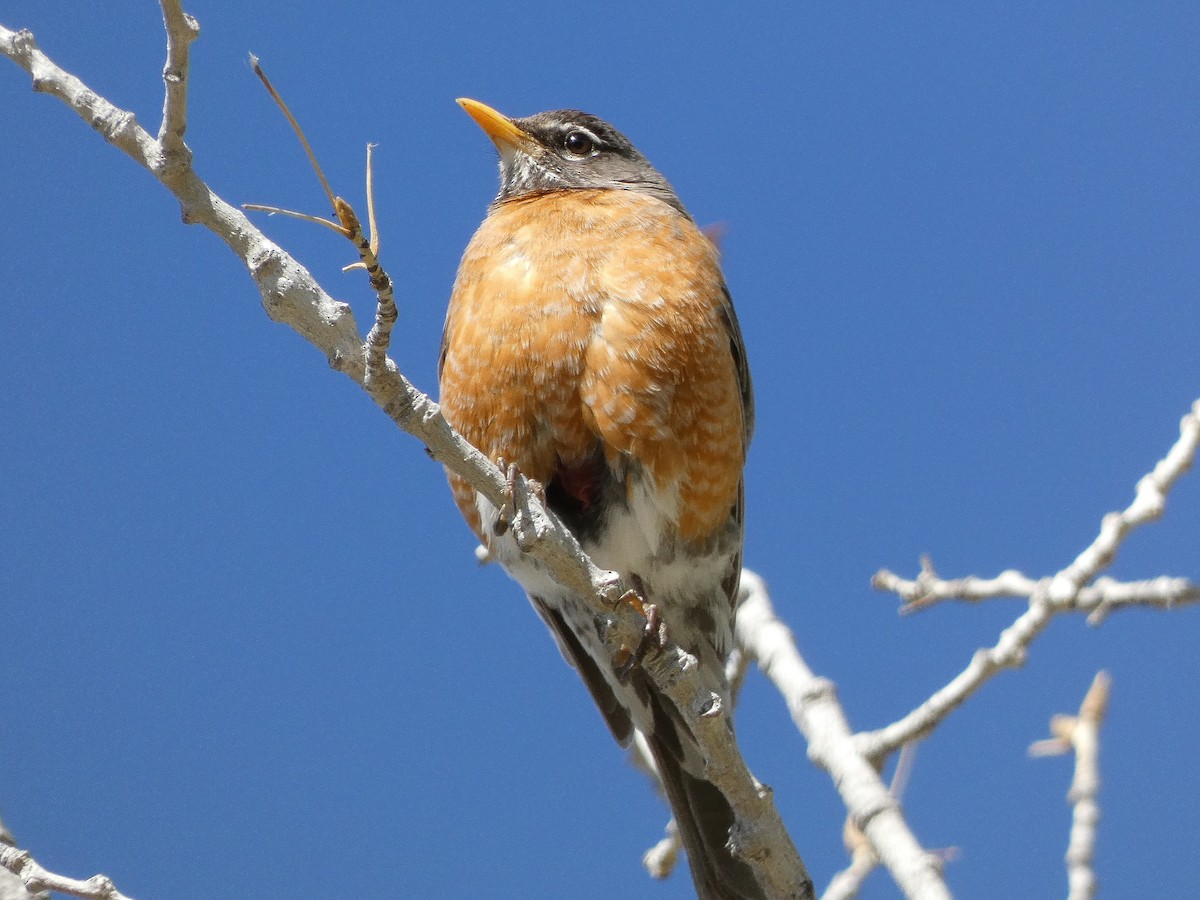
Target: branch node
point(863, 816)
point(818, 688)
point(711, 707)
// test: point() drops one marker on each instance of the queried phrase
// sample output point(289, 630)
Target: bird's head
point(565, 149)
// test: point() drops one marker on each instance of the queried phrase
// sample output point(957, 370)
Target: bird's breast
point(591, 319)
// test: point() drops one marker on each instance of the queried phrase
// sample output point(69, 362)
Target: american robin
point(591, 341)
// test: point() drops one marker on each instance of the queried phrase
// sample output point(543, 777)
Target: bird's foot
point(654, 632)
point(508, 509)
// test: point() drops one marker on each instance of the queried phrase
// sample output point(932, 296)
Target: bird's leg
point(654, 633)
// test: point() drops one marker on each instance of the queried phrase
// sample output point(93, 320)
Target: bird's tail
point(704, 818)
point(702, 813)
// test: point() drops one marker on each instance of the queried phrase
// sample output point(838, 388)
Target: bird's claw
point(508, 509)
point(654, 632)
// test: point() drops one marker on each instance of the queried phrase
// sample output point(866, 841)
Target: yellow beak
point(499, 127)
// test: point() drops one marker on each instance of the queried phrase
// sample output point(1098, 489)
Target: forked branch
point(1074, 588)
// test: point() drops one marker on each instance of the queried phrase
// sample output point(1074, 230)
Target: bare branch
point(1106, 595)
point(1103, 596)
point(303, 217)
point(1081, 733)
point(927, 589)
point(181, 29)
point(816, 711)
point(846, 884)
point(1148, 504)
point(1048, 597)
point(37, 879)
point(372, 222)
point(1008, 652)
point(117, 126)
point(12, 886)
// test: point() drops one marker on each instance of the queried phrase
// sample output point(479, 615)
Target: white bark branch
point(291, 295)
point(36, 878)
point(816, 711)
point(181, 30)
point(1081, 733)
point(847, 883)
point(1065, 591)
point(12, 886)
point(1101, 597)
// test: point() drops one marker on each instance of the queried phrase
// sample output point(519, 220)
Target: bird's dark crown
point(574, 150)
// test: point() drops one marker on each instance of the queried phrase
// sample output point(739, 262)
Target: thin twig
point(350, 228)
point(372, 224)
point(846, 884)
point(291, 213)
point(1081, 733)
point(927, 589)
point(312, 157)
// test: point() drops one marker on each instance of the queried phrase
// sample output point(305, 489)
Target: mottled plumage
point(591, 341)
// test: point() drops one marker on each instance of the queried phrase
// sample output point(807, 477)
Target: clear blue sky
point(246, 644)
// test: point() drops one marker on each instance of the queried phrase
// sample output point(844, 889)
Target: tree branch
point(846, 884)
point(1048, 597)
point(818, 714)
point(12, 885)
point(36, 878)
point(1081, 733)
point(181, 30)
point(1101, 597)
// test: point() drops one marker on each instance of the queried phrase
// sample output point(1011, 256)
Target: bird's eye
point(579, 143)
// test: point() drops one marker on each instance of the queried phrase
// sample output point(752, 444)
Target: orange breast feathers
point(585, 318)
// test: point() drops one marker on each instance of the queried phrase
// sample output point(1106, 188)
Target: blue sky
point(246, 643)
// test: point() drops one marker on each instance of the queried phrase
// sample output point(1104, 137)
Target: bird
point(591, 342)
